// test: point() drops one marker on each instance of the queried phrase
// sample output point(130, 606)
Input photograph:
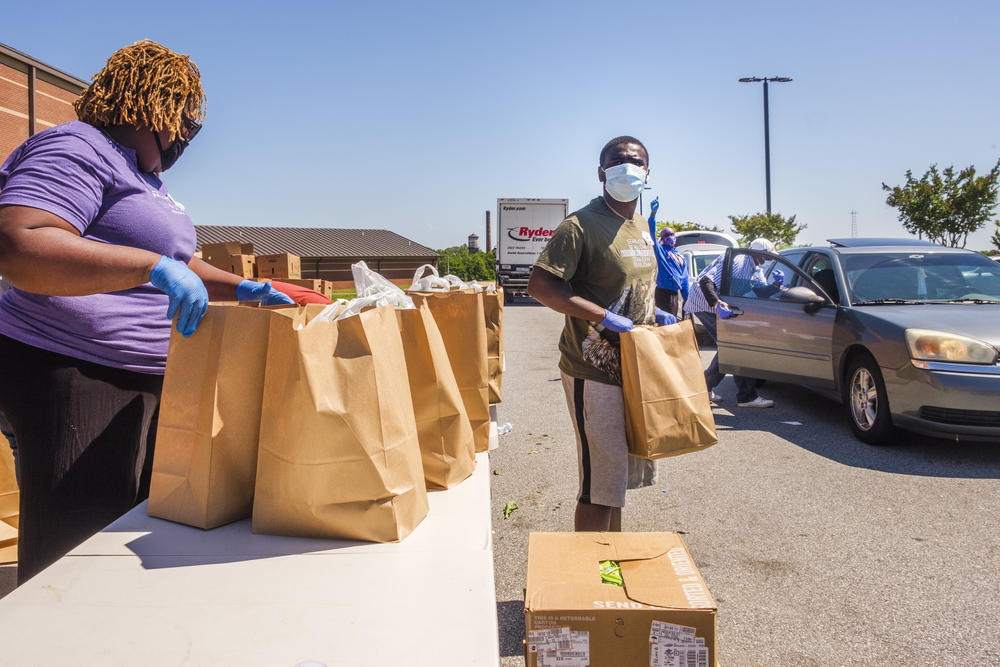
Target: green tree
point(945, 206)
point(773, 226)
point(996, 236)
point(468, 266)
point(688, 226)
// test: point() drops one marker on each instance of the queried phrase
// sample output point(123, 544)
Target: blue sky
point(417, 116)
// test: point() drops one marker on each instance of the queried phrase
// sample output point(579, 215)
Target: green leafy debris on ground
point(496, 472)
point(509, 509)
point(533, 451)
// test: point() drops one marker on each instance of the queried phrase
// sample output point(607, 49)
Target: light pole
point(767, 132)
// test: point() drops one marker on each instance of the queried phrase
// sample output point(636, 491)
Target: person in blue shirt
point(671, 267)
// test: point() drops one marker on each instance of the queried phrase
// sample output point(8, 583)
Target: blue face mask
point(669, 241)
point(624, 182)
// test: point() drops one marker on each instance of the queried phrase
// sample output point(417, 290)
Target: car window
point(700, 262)
point(748, 280)
point(820, 269)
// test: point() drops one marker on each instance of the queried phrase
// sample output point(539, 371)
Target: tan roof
point(317, 242)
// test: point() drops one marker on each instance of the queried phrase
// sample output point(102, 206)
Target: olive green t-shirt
point(609, 261)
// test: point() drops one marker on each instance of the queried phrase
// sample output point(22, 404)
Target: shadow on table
point(510, 620)
point(823, 429)
point(164, 544)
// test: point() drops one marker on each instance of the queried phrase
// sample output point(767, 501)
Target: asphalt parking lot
point(818, 549)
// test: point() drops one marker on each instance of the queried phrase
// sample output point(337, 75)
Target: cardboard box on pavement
point(280, 266)
point(662, 615)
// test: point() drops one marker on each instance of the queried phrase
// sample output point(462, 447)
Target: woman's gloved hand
point(663, 318)
point(722, 309)
point(616, 323)
point(187, 294)
point(778, 277)
point(654, 206)
point(251, 290)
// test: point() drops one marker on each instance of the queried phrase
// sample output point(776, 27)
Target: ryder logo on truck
point(528, 234)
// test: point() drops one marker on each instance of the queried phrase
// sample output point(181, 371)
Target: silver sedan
point(904, 333)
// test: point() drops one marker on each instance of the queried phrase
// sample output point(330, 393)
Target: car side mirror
point(805, 296)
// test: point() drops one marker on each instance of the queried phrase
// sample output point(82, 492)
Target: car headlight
point(939, 346)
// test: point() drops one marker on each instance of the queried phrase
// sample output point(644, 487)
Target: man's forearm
point(555, 293)
point(708, 289)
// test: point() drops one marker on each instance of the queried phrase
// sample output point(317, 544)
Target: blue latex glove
point(654, 206)
point(722, 311)
point(251, 290)
point(663, 318)
point(778, 277)
point(616, 323)
point(187, 294)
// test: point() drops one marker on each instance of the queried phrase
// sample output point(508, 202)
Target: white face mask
point(624, 182)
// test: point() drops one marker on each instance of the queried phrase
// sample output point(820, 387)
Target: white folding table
point(145, 591)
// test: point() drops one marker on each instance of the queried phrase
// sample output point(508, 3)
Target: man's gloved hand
point(616, 323)
point(722, 308)
point(251, 290)
point(778, 277)
point(663, 318)
point(187, 294)
point(654, 206)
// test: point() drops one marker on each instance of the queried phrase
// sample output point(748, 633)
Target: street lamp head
point(750, 79)
point(780, 79)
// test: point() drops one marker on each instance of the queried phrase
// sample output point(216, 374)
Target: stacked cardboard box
point(231, 256)
point(282, 266)
point(661, 614)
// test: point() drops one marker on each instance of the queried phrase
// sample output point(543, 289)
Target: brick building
point(33, 96)
point(327, 254)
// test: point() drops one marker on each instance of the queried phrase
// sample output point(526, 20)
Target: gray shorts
point(606, 469)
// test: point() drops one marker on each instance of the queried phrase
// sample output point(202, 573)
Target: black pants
point(668, 300)
point(85, 437)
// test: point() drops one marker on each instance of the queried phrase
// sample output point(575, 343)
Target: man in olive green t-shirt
point(599, 269)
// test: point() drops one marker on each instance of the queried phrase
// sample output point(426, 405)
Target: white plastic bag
point(429, 283)
point(373, 290)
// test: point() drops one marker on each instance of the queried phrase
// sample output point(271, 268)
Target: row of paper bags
point(331, 429)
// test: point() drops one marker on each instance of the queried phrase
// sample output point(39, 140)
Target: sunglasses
point(191, 128)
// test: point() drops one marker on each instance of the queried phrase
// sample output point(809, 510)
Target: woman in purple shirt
point(100, 258)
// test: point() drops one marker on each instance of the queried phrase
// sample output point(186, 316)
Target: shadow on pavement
point(824, 431)
point(510, 619)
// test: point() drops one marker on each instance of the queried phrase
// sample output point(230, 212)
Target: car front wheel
point(866, 402)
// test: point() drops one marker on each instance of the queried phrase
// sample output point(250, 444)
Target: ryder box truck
point(524, 226)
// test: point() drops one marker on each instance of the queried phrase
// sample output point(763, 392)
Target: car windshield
point(921, 276)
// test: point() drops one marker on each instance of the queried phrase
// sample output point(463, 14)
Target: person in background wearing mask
point(706, 305)
point(671, 266)
point(100, 258)
point(598, 269)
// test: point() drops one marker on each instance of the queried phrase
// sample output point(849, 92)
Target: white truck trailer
point(524, 226)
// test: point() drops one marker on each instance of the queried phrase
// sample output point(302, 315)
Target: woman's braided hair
point(144, 85)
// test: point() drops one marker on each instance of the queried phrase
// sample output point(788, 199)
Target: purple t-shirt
point(78, 173)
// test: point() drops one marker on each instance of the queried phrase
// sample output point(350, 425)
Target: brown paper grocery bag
point(493, 310)
point(460, 318)
point(205, 459)
point(339, 456)
point(9, 504)
point(667, 411)
point(447, 447)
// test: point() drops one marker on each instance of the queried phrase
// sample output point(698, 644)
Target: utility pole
point(854, 224)
point(767, 131)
